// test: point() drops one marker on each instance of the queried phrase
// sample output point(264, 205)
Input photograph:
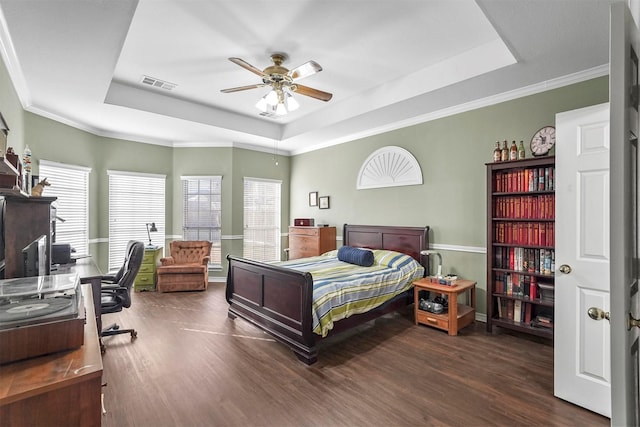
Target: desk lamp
point(153, 229)
point(429, 253)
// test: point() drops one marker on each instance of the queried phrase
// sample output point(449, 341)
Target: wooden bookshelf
point(6, 168)
point(521, 245)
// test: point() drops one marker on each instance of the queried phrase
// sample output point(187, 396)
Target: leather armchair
point(186, 268)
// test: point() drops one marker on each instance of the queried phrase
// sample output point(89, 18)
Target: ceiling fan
point(283, 83)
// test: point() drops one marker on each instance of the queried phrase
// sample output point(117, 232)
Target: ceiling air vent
point(161, 84)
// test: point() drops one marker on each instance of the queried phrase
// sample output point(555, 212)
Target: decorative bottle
point(521, 152)
point(26, 169)
point(513, 152)
point(504, 156)
point(497, 152)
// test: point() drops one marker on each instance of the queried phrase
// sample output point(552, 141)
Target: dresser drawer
point(436, 320)
point(304, 243)
point(144, 279)
point(149, 257)
point(147, 268)
point(303, 231)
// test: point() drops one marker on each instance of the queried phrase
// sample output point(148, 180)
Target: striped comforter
point(341, 289)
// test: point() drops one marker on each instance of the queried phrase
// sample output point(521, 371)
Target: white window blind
point(70, 184)
point(202, 212)
point(261, 219)
point(134, 200)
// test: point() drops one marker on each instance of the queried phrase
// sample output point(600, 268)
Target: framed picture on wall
point(323, 202)
point(313, 198)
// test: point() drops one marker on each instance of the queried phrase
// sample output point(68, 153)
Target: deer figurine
point(37, 190)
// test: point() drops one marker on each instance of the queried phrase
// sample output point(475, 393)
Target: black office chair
point(116, 290)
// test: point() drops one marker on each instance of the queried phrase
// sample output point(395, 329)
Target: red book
point(527, 314)
point(511, 258)
point(533, 288)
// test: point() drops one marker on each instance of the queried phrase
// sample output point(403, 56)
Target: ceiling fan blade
point(313, 93)
point(238, 89)
point(304, 70)
point(244, 64)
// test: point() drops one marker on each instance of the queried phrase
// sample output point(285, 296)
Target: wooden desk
point(62, 388)
point(88, 272)
point(458, 316)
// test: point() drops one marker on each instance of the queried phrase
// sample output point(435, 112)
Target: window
point(202, 212)
point(261, 219)
point(70, 184)
point(135, 200)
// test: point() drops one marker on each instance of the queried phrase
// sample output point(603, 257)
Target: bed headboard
point(408, 240)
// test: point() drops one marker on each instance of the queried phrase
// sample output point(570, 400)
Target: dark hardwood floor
point(192, 366)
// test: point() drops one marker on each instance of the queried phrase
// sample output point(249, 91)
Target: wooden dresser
point(311, 241)
point(146, 278)
point(59, 389)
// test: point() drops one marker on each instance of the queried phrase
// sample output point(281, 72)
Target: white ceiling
point(387, 63)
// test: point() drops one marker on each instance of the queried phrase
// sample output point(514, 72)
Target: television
point(35, 257)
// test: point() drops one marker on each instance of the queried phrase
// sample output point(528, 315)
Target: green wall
point(452, 153)
point(12, 111)
point(54, 141)
point(233, 164)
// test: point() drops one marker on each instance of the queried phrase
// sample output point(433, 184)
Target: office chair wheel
point(115, 327)
point(134, 335)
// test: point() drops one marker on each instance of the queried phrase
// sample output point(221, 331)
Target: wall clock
point(543, 140)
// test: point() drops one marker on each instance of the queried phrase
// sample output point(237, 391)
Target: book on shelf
point(509, 309)
point(543, 321)
point(524, 233)
point(533, 288)
point(517, 311)
point(527, 313)
point(525, 180)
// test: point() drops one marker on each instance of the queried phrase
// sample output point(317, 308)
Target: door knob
point(633, 322)
point(598, 314)
point(565, 269)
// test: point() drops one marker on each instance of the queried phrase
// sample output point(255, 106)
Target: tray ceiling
point(387, 63)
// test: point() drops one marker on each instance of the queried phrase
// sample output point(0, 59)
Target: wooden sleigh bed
point(278, 300)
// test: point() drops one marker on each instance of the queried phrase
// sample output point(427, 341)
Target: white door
point(582, 363)
point(623, 98)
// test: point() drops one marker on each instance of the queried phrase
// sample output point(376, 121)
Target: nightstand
point(146, 278)
point(458, 316)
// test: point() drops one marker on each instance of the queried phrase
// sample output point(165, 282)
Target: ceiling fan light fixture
point(281, 110)
point(262, 104)
point(283, 82)
point(292, 104)
point(272, 98)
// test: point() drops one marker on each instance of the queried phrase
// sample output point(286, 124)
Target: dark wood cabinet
point(311, 241)
point(521, 245)
point(25, 219)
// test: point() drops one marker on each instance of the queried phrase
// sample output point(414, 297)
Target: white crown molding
point(93, 130)
point(579, 77)
point(13, 64)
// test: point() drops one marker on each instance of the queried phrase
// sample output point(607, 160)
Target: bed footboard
point(275, 299)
